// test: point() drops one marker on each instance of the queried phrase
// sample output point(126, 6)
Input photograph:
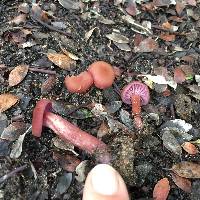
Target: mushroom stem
point(79, 138)
point(136, 111)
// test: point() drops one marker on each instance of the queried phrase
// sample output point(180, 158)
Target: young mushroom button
point(136, 94)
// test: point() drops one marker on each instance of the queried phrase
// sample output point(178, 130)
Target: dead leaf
point(17, 75)
point(170, 27)
point(179, 7)
point(13, 131)
point(131, 8)
point(48, 84)
point(179, 75)
point(18, 19)
point(69, 4)
point(81, 171)
point(182, 183)
point(164, 2)
point(17, 146)
point(117, 37)
point(7, 100)
point(187, 69)
point(68, 162)
point(24, 8)
point(187, 169)
point(147, 45)
point(103, 130)
point(122, 46)
point(170, 142)
point(89, 33)
point(38, 13)
point(161, 189)
point(192, 2)
point(168, 37)
point(190, 148)
point(61, 60)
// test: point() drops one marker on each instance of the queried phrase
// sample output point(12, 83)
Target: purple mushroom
point(136, 94)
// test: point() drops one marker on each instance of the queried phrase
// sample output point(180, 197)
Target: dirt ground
point(139, 38)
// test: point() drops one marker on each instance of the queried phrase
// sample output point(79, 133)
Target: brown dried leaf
point(167, 25)
point(187, 69)
point(48, 84)
point(147, 45)
point(61, 60)
point(131, 8)
point(19, 19)
point(168, 37)
point(182, 183)
point(190, 148)
point(68, 162)
point(188, 59)
point(17, 75)
point(187, 169)
point(161, 189)
point(179, 75)
point(103, 130)
point(7, 100)
point(13, 131)
point(179, 7)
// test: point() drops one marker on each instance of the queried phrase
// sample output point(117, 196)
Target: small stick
point(12, 173)
point(45, 71)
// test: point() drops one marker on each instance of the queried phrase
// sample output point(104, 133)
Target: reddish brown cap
point(135, 88)
point(102, 73)
point(80, 83)
point(41, 107)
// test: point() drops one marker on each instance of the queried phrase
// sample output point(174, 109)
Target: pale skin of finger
point(104, 183)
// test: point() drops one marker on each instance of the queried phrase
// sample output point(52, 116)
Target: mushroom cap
point(80, 83)
point(41, 107)
point(135, 88)
point(102, 73)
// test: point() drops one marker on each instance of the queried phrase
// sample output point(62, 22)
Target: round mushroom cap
point(135, 88)
point(80, 83)
point(102, 73)
point(41, 107)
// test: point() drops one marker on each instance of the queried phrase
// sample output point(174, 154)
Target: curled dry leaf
point(68, 162)
point(7, 100)
point(183, 183)
point(179, 75)
point(187, 169)
point(147, 45)
point(190, 148)
point(13, 131)
point(161, 189)
point(61, 60)
point(17, 75)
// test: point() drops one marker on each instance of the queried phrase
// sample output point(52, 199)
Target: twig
point(12, 173)
point(45, 71)
point(52, 28)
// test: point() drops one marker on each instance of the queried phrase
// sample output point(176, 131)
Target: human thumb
point(104, 183)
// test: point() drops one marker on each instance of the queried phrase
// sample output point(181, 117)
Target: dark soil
point(148, 160)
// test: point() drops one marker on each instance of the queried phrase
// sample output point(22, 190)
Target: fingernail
point(104, 180)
